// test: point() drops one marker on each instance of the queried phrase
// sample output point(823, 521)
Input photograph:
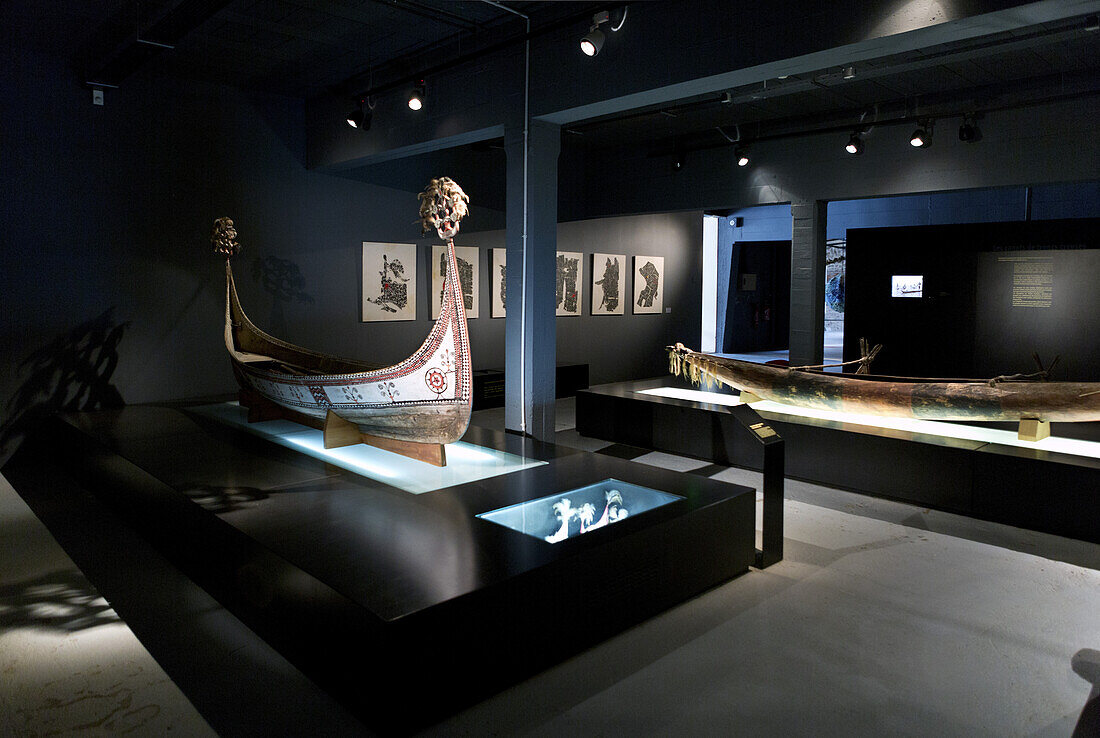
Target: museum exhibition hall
point(468, 367)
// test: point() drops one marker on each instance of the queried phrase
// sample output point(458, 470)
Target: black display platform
point(407, 607)
point(1028, 488)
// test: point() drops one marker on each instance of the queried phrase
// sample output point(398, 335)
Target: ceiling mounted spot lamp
point(416, 97)
point(855, 144)
point(969, 131)
point(593, 41)
point(742, 156)
point(922, 137)
point(361, 116)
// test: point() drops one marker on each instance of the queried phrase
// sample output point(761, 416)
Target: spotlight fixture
point(593, 41)
point(742, 156)
point(969, 131)
point(921, 137)
point(360, 117)
point(855, 144)
point(416, 97)
point(849, 72)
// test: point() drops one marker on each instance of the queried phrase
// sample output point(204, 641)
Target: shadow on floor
point(62, 600)
point(1086, 663)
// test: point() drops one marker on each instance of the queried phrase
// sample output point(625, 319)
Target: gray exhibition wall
point(616, 347)
point(111, 294)
point(110, 291)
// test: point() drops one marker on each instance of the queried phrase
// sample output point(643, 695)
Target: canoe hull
point(427, 398)
point(930, 400)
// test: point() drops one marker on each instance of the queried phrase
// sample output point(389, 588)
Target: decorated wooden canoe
point(413, 407)
point(1000, 399)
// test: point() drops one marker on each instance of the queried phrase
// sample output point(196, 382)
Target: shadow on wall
point(71, 373)
point(62, 600)
point(1086, 663)
point(282, 280)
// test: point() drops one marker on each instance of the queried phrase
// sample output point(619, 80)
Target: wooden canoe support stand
point(339, 432)
point(1032, 429)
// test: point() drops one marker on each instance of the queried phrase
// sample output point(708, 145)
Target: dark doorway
point(758, 309)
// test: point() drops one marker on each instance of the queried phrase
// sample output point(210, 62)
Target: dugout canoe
point(908, 397)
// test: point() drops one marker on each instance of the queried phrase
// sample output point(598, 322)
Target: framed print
point(569, 282)
point(497, 282)
point(389, 281)
point(649, 284)
point(467, 258)
point(608, 281)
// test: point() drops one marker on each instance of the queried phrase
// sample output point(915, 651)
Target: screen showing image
point(906, 285)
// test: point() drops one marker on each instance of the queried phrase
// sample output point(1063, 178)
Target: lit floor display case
point(405, 590)
point(982, 471)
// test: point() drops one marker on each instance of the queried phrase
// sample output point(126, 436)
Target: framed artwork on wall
point(467, 258)
point(608, 283)
point(497, 282)
point(649, 284)
point(569, 275)
point(389, 281)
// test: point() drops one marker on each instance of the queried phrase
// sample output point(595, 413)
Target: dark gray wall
point(616, 347)
point(110, 291)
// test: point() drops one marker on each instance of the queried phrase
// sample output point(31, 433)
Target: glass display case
point(569, 514)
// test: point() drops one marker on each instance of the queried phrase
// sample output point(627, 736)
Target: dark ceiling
point(305, 48)
point(1001, 71)
point(300, 48)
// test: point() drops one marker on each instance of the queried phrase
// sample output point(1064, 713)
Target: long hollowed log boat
point(1034, 404)
point(412, 408)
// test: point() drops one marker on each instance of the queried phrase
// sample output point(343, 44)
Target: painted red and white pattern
point(427, 397)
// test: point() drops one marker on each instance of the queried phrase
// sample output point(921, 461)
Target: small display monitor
point(907, 285)
point(569, 514)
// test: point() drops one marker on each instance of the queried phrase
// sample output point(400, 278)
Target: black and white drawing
point(467, 257)
point(498, 273)
point(389, 281)
point(608, 283)
point(569, 283)
point(649, 284)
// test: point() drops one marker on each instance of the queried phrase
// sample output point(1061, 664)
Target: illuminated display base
point(929, 429)
point(404, 602)
point(465, 461)
point(985, 472)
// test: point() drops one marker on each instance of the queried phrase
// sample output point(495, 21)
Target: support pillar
point(532, 241)
point(807, 283)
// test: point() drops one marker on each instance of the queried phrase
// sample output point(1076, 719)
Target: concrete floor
point(69, 665)
point(883, 619)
